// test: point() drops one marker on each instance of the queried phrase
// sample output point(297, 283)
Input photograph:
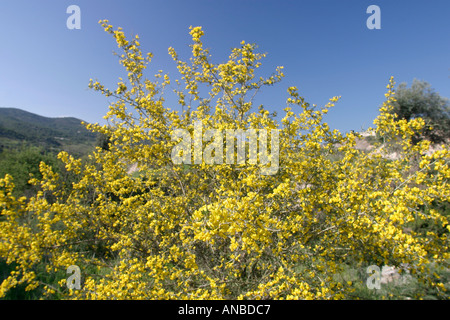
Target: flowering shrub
point(225, 231)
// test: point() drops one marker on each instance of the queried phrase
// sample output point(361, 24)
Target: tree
point(103, 141)
point(420, 100)
point(224, 231)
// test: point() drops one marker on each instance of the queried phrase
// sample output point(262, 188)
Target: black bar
point(257, 309)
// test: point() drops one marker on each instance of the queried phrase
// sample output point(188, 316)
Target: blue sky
point(325, 47)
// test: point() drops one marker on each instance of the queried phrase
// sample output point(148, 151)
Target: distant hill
point(19, 127)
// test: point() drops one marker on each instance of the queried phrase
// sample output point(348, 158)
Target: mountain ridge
point(18, 127)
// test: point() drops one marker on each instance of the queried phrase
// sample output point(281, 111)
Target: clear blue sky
point(324, 45)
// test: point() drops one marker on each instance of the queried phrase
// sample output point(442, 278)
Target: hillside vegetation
point(19, 127)
point(27, 139)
